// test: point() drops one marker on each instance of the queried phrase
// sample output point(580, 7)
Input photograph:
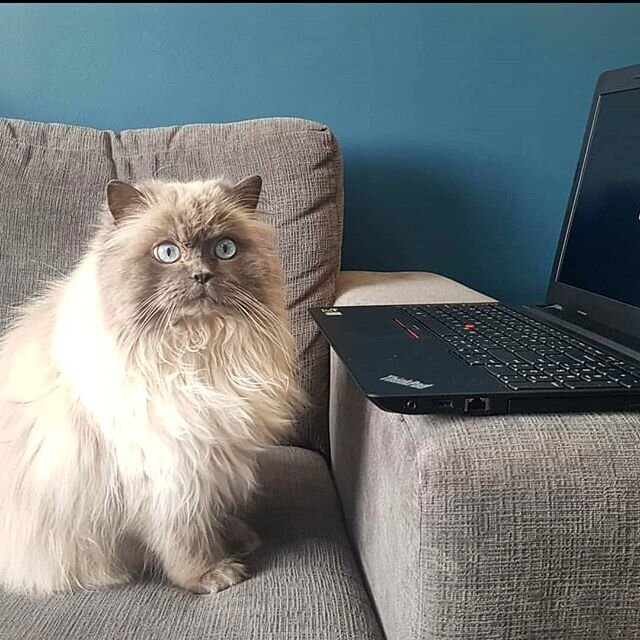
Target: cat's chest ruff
point(164, 426)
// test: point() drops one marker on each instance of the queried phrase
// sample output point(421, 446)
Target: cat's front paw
point(224, 575)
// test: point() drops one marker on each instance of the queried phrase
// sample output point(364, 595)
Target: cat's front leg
point(196, 559)
point(243, 540)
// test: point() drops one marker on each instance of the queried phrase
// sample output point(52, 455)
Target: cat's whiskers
point(253, 303)
point(145, 305)
point(268, 320)
point(147, 314)
point(50, 266)
point(274, 336)
point(141, 319)
point(165, 321)
point(159, 168)
point(257, 305)
point(252, 313)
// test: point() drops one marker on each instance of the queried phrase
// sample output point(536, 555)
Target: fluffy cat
point(136, 393)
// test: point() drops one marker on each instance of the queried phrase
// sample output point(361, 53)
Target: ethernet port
point(476, 406)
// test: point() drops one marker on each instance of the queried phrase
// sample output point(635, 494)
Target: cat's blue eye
point(166, 252)
point(225, 249)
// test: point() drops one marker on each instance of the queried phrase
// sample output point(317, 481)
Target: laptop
point(579, 351)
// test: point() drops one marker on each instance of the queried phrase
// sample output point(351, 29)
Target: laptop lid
point(596, 272)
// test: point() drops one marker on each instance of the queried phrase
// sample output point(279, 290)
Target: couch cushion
point(304, 582)
point(53, 177)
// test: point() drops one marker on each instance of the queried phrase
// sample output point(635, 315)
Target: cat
point(136, 393)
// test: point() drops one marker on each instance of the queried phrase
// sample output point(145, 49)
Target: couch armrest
point(487, 527)
point(400, 287)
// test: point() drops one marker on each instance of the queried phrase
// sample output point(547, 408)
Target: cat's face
point(173, 251)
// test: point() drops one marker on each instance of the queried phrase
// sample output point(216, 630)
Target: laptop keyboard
point(522, 353)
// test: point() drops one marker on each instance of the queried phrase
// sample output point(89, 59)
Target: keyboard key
point(591, 384)
point(484, 344)
point(557, 347)
point(566, 377)
point(503, 355)
point(524, 366)
point(437, 327)
point(477, 359)
point(612, 373)
point(579, 355)
point(542, 350)
point(582, 369)
point(531, 356)
point(553, 370)
point(560, 358)
point(510, 379)
point(503, 373)
point(499, 369)
point(507, 344)
point(631, 369)
point(528, 385)
point(629, 382)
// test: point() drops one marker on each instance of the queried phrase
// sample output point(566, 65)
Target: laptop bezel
point(614, 314)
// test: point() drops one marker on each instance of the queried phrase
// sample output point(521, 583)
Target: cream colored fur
point(122, 445)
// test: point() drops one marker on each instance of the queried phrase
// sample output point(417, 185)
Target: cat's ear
point(123, 198)
point(247, 192)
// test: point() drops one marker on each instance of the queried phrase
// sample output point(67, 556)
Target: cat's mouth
point(201, 300)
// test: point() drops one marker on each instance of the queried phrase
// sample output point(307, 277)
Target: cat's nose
point(202, 277)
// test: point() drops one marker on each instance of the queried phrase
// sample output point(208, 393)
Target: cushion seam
point(91, 149)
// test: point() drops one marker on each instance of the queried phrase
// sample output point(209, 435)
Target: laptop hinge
point(558, 307)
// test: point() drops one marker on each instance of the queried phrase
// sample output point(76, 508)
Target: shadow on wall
point(424, 211)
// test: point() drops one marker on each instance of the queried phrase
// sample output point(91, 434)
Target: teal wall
point(460, 124)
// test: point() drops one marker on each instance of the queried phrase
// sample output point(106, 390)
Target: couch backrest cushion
point(53, 178)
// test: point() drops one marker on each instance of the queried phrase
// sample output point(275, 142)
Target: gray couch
point(374, 524)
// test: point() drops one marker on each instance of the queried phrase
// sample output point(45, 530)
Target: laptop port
point(476, 406)
point(443, 404)
point(411, 405)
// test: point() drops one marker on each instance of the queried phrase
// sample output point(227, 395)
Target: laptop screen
point(602, 246)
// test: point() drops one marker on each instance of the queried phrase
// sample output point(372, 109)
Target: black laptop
point(580, 351)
